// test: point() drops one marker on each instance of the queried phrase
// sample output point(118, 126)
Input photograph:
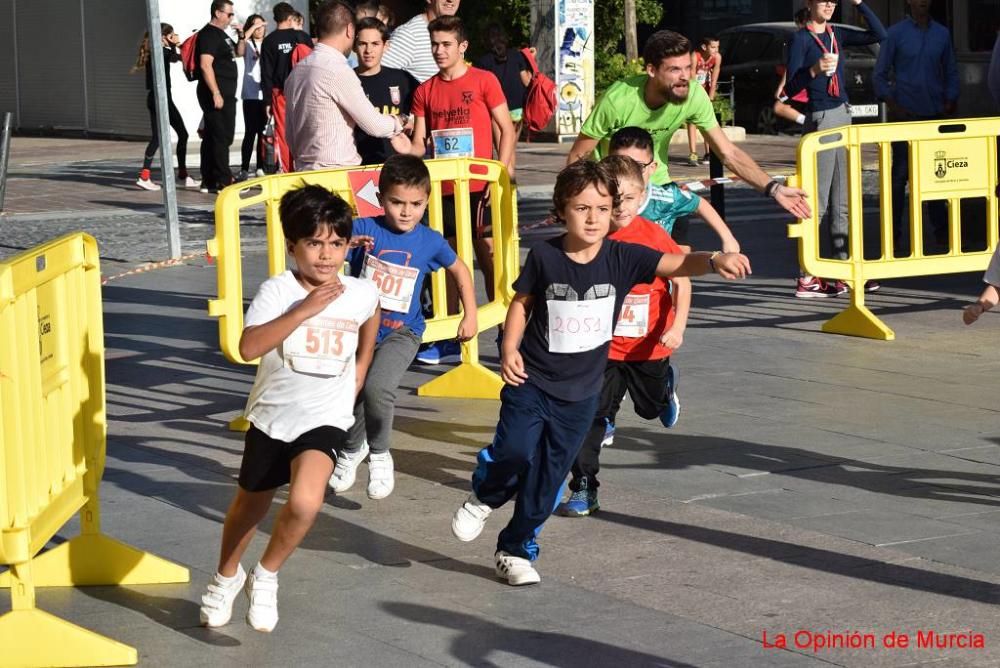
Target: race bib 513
point(322, 346)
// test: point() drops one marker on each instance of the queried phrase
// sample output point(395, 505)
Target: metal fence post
point(163, 128)
point(4, 155)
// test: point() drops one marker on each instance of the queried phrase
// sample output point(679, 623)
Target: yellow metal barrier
point(470, 379)
point(948, 160)
point(52, 448)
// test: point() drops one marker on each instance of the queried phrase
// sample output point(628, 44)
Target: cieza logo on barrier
point(453, 143)
point(942, 163)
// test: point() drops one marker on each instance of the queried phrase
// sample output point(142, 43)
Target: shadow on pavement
point(818, 559)
point(685, 451)
point(480, 638)
point(178, 614)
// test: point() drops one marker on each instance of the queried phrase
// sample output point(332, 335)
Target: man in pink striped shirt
point(325, 100)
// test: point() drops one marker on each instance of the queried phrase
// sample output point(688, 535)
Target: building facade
point(64, 64)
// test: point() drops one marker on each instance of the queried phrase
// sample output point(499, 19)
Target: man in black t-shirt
point(388, 89)
point(279, 52)
point(217, 76)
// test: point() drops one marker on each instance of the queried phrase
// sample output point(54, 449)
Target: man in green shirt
point(662, 101)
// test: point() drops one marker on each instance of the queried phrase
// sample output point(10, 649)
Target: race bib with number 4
point(633, 321)
point(396, 283)
point(453, 143)
point(322, 346)
point(578, 326)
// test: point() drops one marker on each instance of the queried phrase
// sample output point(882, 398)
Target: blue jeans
point(537, 440)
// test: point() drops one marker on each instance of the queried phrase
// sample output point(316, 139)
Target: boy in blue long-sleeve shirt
point(917, 77)
point(814, 64)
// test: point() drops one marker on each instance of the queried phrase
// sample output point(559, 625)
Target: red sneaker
point(813, 288)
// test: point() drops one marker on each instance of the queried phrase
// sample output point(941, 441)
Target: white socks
point(261, 572)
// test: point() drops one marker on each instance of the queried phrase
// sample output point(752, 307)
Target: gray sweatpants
point(832, 177)
point(376, 405)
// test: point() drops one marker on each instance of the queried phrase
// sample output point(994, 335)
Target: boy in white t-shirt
point(314, 332)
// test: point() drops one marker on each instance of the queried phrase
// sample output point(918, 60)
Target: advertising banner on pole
point(574, 67)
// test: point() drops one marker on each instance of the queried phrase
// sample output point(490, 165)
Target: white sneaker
point(217, 603)
point(260, 172)
point(346, 469)
point(146, 184)
point(381, 480)
point(263, 595)
point(470, 518)
point(516, 571)
point(188, 182)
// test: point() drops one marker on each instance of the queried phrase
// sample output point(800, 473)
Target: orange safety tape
point(150, 266)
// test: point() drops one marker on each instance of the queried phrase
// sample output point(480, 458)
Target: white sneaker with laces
point(217, 603)
point(263, 595)
point(470, 518)
point(516, 571)
point(188, 182)
point(146, 184)
point(346, 469)
point(381, 480)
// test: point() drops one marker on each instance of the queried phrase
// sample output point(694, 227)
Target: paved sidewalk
point(815, 485)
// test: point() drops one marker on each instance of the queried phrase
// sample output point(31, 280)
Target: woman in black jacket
point(168, 42)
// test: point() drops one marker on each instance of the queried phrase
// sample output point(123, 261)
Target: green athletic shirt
point(665, 204)
point(623, 105)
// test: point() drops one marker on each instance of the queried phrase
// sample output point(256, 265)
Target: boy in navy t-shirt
point(401, 253)
point(555, 348)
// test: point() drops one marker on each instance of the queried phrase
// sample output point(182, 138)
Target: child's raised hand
point(971, 313)
point(512, 368)
point(365, 241)
point(732, 266)
point(319, 298)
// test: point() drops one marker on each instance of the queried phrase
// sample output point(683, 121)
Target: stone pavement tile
point(691, 484)
point(780, 504)
point(983, 521)
point(976, 550)
point(947, 467)
point(987, 454)
point(784, 579)
point(880, 528)
point(892, 493)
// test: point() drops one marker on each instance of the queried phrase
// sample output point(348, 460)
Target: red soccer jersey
point(649, 302)
point(464, 102)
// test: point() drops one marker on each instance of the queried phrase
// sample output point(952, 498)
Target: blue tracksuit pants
point(537, 440)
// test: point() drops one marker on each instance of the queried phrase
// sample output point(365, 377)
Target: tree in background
point(611, 63)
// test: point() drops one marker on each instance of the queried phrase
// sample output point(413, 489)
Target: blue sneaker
point(440, 352)
point(580, 504)
point(609, 433)
point(672, 412)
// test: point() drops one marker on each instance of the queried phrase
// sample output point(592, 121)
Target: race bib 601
point(396, 283)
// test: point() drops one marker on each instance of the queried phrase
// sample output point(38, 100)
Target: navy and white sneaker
point(440, 352)
point(581, 503)
point(609, 433)
point(672, 412)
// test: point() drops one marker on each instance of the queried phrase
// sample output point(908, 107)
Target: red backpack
point(540, 100)
point(189, 63)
